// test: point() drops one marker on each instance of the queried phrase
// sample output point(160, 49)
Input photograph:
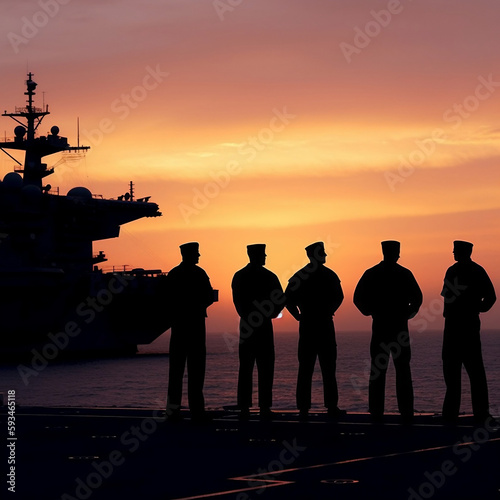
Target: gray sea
point(141, 381)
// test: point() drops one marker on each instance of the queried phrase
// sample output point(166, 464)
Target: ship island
point(56, 299)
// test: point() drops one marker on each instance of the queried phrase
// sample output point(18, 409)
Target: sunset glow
point(252, 124)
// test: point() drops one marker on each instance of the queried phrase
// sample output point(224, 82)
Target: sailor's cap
point(190, 247)
point(391, 246)
point(315, 248)
point(256, 248)
point(462, 246)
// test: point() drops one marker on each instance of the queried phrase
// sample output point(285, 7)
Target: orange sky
point(276, 121)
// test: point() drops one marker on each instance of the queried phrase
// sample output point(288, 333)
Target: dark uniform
point(467, 292)
point(258, 298)
point(313, 296)
point(389, 294)
point(190, 293)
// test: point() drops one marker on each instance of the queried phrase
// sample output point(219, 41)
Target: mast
point(36, 147)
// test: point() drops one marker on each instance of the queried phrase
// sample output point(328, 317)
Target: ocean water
point(141, 381)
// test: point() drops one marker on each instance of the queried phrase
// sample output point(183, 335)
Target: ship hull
point(98, 314)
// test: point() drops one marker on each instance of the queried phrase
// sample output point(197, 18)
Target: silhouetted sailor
point(313, 295)
point(258, 298)
point(467, 292)
point(389, 294)
point(189, 295)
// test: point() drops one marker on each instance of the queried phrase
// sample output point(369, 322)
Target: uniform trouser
point(390, 340)
point(257, 348)
point(462, 346)
point(187, 346)
point(317, 340)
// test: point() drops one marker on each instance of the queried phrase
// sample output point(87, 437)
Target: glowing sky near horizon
point(275, 121)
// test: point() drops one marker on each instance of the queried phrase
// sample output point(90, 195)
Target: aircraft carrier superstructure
point(54, 297)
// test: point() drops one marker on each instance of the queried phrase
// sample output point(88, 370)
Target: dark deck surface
point(68, 453)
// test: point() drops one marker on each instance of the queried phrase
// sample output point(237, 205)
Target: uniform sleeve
point(292, 297)
point(208, 291)
point(446, 293)
point(170, 289)
point(238, 295)
point(277, 296)
point(174, 294)
point(415, 298)
point(488, 293)
point(362, 296)
point(291, 292)
point(445, 290)
point(338, 294)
